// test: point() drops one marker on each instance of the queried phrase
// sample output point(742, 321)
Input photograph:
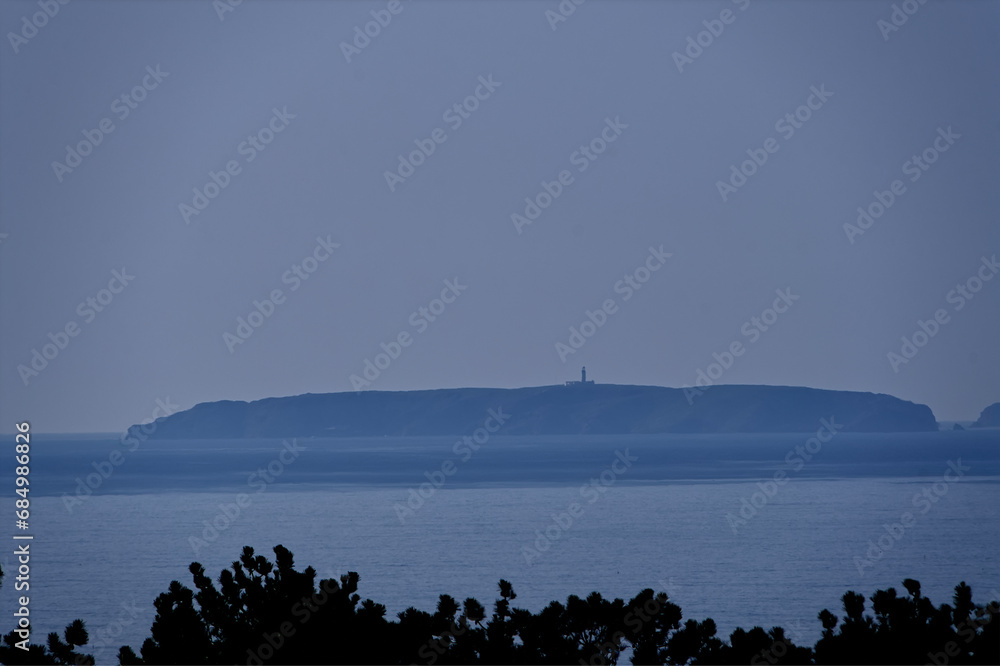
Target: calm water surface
point(661, 522)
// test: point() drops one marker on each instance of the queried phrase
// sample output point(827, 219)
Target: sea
point(749, 530)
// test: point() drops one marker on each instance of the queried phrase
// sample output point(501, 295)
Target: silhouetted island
point(989, 418)
point(574, 409)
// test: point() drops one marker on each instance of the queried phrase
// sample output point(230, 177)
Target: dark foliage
point(268, 613)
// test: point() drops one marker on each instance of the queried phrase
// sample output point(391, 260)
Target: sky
point(688, 173)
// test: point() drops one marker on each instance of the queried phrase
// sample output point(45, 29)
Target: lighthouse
point(583, 378)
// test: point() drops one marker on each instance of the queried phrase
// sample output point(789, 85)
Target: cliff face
point(549, 410)
point(990, 418)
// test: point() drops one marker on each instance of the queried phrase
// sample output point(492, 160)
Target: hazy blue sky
point(884, 97)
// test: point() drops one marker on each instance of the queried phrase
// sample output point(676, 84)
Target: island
point(576, 408)
point(989, 418)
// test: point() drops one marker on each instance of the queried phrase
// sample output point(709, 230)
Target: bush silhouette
point(264, 612)
point(56, 651)
point(910, 630)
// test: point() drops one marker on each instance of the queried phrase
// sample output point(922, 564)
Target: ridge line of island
point(574, 408)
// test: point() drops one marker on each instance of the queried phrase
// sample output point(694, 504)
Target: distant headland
point(576, 408)
point(989, 418)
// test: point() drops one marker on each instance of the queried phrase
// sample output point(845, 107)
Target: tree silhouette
point(271, 613)
point(261, 612)
point(909, 629)
point(55, 651)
